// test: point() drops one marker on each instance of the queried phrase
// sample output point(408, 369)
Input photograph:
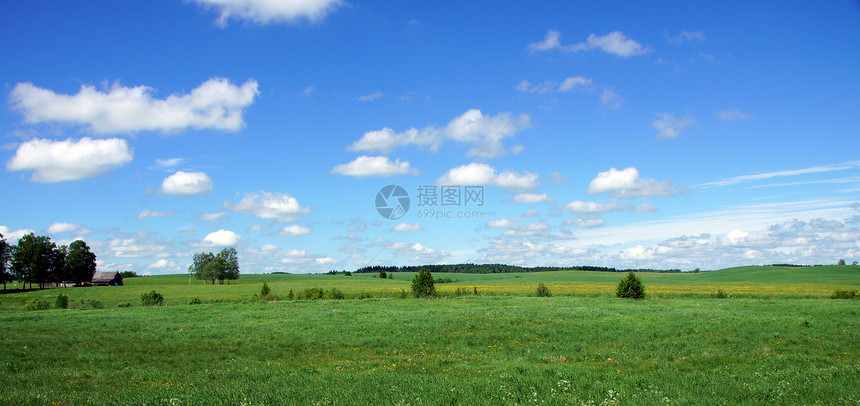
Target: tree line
point(500, 268)
point(37, 259)
point(211, 267)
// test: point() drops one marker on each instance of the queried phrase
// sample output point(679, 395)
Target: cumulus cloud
point(164, 265)
point(58, 228)
point(215, 104)
point(532, 198)
point(365, 166)
point(186, 183)
point(407, 227)
point(668, 126)
point(731, 115)
point(483, 132)
point(12, 236)
point(480, 174)
point(501, 223)
point(139, 248)
point(221, 238)
point(626, 184)
point(293, 230)
point(578, 206)
point(267, 205)
point(145, 214)
point(615, 43)
point(268, 11)
point(59, 161)
point(586, 221)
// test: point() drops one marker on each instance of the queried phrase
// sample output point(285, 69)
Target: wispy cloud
point(792, 172)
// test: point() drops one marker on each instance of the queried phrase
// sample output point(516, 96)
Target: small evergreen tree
point(543, 291)
point(62, 302)
point(422, 284)
point(265, 292)
point(630, 287)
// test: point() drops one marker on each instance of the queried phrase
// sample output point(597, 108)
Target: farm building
point(107, 279)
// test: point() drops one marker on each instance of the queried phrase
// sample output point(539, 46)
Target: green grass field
point(778, 340)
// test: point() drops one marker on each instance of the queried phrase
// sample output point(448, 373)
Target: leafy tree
point(631, 287)
point(229, 261)
point(5, 257)
point(422, 284)
point(198, 266)
point(34, 259)
point(59, 273)
point(80, 263)
point(62, 302)
point(382, 275)
point(390, 275)
point(841, 262)
point(211, 267)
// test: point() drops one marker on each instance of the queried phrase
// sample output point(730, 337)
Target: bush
point(291, 295)
point(152, 298)
point(90, 304)
point(195, 301)
point(630, 287)
point(844, 294)
point(719, 294)
point(334, 293)
point(39, 304)
point(312, 294)
point(126, 304)
point(543, 291)
point(265, 292)
point(422, 284)
point(62, 302)
point(382, 275)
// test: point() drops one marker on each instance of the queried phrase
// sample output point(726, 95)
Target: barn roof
point(104, 276)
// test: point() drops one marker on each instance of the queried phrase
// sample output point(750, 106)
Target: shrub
point(39, 304)
point(152, 298)
point(630, 287)
point(844, 294)
point(291, 295)
point(543, 291)
point(719, 294)
point(195, 301)
point(382, 275)
point(265, 292)
point(91, 304)
point(126, 304)
point(312, 294)
point(334, 293)
point(475, 290)
point(422, 284)
point(62, 302)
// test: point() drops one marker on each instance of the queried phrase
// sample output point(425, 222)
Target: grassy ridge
point(470, 350)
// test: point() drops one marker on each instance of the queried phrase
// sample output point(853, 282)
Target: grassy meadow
point(778, 339)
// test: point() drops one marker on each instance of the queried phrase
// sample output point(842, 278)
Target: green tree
point(198, 266)
point(630, 287)
point(543, 291)
point(382, 275)
point(423, 285)
point(34, 258)
point(229, 262)
point(841, 262)
point(59, 273)
point(210, 267)
point(80, 263)
point(5, 257)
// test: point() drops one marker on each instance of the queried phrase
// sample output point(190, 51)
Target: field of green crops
point(777, 339)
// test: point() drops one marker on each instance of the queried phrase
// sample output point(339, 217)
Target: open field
point(579, 347)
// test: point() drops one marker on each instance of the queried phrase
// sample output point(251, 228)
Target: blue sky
point(666, 134)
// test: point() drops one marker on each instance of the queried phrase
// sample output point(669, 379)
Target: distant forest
point(501, 268)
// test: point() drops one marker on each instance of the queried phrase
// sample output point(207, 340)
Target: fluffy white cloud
point(668, 126)
point(58, 161)
point(532, 198)
point(731, 115)
point(58, 228)
point(615, 43)
point(479, 174)
point(271, 11)
point(365, 166)
point(485, 134)
point(578, 206)
point(626, 184)
point(221, 238)
point(267, 205)
point(501, 223)
point(139, 248)
point(186, 183)
point(293, 230)
point(145, 214)
point(586, 221)
point(216, 104)
point(163, 265)
point(407, 227)
point(13, 236)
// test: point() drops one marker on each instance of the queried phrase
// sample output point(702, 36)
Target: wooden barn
point(107, 279)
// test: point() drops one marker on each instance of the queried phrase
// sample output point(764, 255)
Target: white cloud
point(139, 248)
point(215, 104)
point(578, 206)
point(685, 37)
point(569, 84)
point(168, 163)
point(293, 230)
point(271, 11)
point(154, 214)
point(792, 172)
point(731, 115)
point(222, 238)
point(407, 227)
point(501, 223)
point(13, 236)
point(480, 174)
point(267, 205)
point(532, 198)
point(668, 126)
point(212, 216)
point(164, 265)
point(58, 161)
point(485, 134)
point(365, 166)
point(611, 99)
point(370, 97)
point(626, 184)
point(58, 228)
point(644, 208)
point(186, 183)
point(615, 43)
point(586, 221)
